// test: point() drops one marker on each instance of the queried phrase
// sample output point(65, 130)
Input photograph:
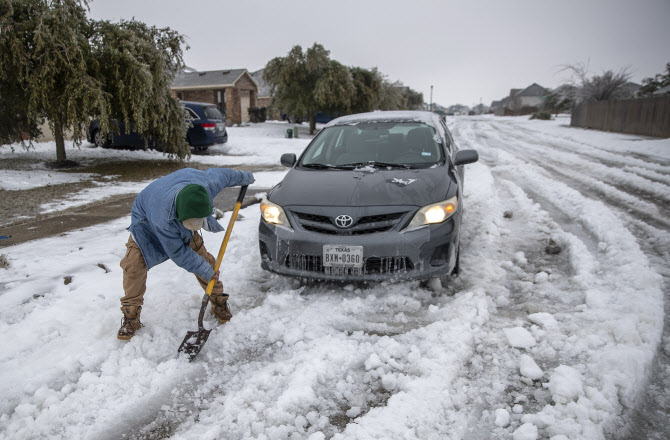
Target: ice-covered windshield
point(412, 144)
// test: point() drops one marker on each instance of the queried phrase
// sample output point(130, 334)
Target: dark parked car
point(374, 196)
point(208, 127)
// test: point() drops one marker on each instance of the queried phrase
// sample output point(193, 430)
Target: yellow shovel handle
point(222, 251)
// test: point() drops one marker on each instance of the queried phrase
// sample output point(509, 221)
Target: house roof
point(263, 87)
point(209, 79)
point(532, 90)
point(662, 91)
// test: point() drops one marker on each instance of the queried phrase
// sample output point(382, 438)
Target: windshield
point(405, 144)
point(212, 113)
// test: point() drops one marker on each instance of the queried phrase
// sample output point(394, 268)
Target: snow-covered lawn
point(258, 145)
point(524, 344)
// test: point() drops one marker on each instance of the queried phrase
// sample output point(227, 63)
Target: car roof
point(429, 118)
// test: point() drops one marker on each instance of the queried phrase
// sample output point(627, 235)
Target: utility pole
point(431, 98)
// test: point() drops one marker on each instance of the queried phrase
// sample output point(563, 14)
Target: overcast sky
point(468, 50)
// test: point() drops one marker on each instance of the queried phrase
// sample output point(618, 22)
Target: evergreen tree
point(68, 69)
point(136, 65)
point(309, 82)
point(413, 99)
point(391, 96)
point(368, 89)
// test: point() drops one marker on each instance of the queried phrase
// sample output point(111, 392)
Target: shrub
point(544, 115)
point(258, 114)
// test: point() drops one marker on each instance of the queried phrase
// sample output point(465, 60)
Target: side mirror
point(464, 157)
point(288, 159)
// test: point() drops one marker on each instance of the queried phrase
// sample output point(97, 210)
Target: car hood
point(369, 187)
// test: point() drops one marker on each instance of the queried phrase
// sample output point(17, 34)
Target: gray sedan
point(374, 196)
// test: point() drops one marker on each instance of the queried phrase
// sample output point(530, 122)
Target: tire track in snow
point(554, 194)
point(642, 187)
point(646, 166)
point(648, 419)
point(625, 202)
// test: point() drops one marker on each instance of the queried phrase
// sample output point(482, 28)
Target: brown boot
point(220, 307)
point(130, 323)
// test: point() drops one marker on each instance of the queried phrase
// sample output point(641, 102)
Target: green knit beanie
point(193, 202)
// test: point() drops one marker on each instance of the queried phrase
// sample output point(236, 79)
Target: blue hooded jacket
point(154, 225)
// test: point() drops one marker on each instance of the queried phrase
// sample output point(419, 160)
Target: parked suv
point(374, 196)
point(208, 127)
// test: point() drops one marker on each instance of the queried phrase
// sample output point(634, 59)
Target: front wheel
point(99, 140)
point(437, 283)
point(457, 267)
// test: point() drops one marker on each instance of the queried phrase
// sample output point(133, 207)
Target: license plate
point(219, 126)
point(342, 256)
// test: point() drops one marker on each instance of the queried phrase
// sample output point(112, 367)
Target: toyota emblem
point(343, 221)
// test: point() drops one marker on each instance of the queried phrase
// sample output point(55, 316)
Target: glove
point(248, 178)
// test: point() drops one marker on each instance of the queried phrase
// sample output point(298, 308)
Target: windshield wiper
point(319, 166)
point(374, 163)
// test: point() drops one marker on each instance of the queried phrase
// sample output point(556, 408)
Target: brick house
point(234, 91)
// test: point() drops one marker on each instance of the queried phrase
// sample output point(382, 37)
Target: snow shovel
point(194, 341)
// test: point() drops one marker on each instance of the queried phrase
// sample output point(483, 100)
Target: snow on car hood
point(364, 187)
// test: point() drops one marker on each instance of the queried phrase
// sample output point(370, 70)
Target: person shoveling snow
point(165, 220)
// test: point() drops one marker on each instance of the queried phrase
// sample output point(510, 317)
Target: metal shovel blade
point(194, 341)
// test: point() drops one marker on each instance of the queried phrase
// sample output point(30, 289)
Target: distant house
point(522, 101)
point(495, 105)
point(500, 106)
point(234, 91)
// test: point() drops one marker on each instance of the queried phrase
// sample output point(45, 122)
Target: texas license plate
point(342, 256)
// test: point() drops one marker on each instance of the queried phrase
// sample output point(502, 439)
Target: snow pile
point(519, 337)
point(528, 368)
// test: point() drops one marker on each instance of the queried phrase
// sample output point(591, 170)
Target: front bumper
point(423, 253)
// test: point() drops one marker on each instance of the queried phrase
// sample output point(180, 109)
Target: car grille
point(365, 225)
point(371, 265)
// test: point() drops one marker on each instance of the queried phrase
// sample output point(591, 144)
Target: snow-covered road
point(524, 344)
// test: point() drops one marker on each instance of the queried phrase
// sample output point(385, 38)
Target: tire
point(99, 141)
point(457, 267)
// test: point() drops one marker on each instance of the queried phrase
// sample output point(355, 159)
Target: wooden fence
point(644, 116)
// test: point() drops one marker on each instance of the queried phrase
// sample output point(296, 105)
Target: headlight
point(273, 213)
point(435, 213)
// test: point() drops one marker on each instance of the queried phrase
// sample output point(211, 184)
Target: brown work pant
point(135, 271)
